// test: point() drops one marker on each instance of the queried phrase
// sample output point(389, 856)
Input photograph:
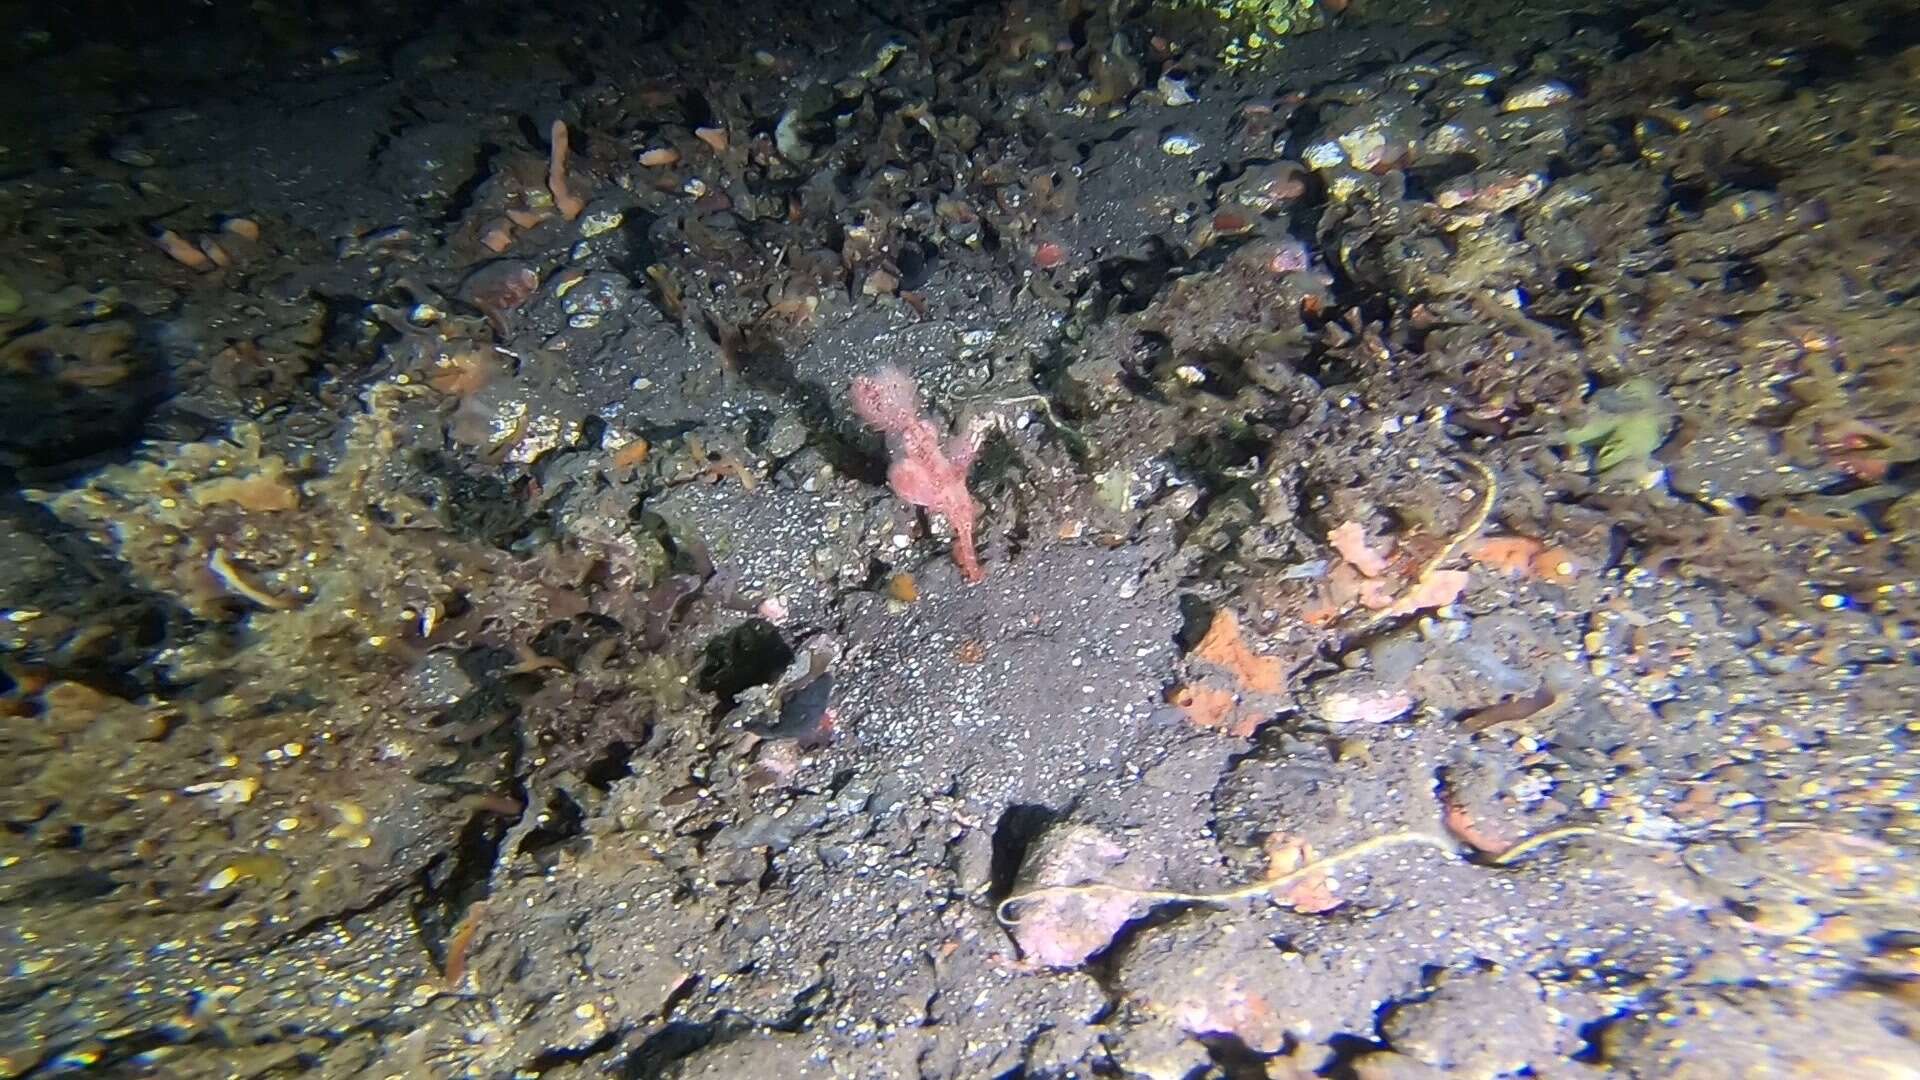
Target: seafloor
point(1445, 491)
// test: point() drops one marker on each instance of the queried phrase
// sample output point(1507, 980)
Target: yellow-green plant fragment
point(1630, 422)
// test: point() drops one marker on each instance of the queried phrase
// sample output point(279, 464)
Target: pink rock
point(1064, 929)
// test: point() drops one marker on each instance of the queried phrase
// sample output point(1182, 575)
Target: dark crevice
point(1347, 1048)
point(1015, 832)
point(562, 819)
point(614, 762)
point(677, 1040)
point(555, 1057)
point(751, 654)
point(1234, 1058)
point(458, 881)
point(1592, 1039)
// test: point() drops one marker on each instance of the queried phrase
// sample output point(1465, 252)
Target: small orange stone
point(498, 237)
point(631, 456)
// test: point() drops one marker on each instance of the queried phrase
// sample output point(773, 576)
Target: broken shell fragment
point(1267, 189)
point(128, 154)
point(1180, 144)
point(1361, 705)
point(1537, 94)
point(1491, 192)
point(787, 139)
point(600, 221)
point(1324, 155)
